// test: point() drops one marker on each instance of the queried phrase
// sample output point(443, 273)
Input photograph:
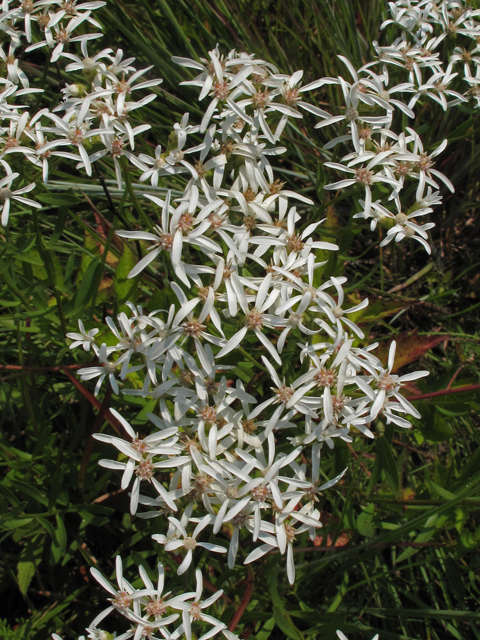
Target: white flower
point(74, 131)
point(189, 542)
point(257, 319)
point(61, 35)
point(177, 226)
point(7, 195)
point(388, 386)
point(193, 611)
point(83, 338)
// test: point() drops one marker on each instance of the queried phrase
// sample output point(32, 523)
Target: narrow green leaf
point(285, 625)
point(387, 463)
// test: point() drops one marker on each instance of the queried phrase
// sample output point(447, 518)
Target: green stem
point(23, 380)
point(51, 276)
point(252, 359)
point(131, 193)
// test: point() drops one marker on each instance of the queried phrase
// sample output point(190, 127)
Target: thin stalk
point(131, 193)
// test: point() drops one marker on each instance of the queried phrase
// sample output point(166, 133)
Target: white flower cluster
point(20, 130)
point(379, 95)
point(95, 113)
point(245, 271)
point(151, 610)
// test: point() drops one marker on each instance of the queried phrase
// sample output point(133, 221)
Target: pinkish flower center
point(145, 469)
point(325, 378)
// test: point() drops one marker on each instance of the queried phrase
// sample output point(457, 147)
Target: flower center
point(364, 175)
point(249, 222)
point(117, 148)
point(122, 600)
point(156, 608)
point(249, 426)
point(240, 520)
point(190, 543)
point(62, 36)
point(211, 386)
point(260, 494)
point(159, 163)
point(27, 6)
point(294, 243)
point(386, 382)
point(424, 164)
point(139, 445)
point(351, 114)
point(5, 194)
point(325, 378)
point(254, 319)
point(294, 319)
point(216, 221)
point(231, 492)
point(76, 136)
point(187, 378)
point(284, 394)
point(165, 241)
point(290, 531)
point(221, 90)
point(260, 99)
point(122, 86)
point(176, 155)
point(291, 96)
point(185, 222)
point(209, 414)
point(193, 328)
point(145, 469)
point(338, 402)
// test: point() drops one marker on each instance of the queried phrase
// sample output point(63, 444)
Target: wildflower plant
point(229, 472)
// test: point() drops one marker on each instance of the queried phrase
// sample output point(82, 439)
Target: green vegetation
point(398, 552)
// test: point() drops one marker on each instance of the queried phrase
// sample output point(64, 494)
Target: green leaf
point(286, 625)
point(32, 258)
point(443, 493)
point(87, 287)
point(126, 288)
point(61, 534)
point(266, 631)
point(364, 521)
point(424, 536)
point(387, 464)
point(25, 573)
point(58, 199)
point(434, 427)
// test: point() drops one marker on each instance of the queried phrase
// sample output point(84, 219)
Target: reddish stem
point(445, 392)
point(62, 367)
point(454, 376)
point(380, 545)
point(91, 398)
point(352, 450)
point(244, 602)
